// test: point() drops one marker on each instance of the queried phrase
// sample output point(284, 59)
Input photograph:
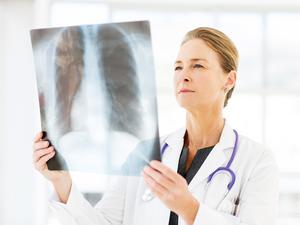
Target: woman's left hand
point(172, 189)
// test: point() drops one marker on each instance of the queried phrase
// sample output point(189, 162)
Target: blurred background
point(265, 105)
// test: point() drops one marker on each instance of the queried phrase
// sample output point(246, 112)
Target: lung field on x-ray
point(105, 57)
point(95, 97)
point(122, 85)
point(69, 66)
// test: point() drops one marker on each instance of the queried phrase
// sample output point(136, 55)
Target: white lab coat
point(256, 185)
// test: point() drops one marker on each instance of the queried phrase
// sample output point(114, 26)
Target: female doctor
point(209, 174)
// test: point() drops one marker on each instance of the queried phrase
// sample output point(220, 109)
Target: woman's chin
point(192, 106)
point(187, 105)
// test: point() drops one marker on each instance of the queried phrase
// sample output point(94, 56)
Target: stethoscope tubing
point(147, 196)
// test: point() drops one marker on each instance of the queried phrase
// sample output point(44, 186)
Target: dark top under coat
point(188, 174)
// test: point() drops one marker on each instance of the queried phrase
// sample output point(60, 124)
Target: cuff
point(76, 205)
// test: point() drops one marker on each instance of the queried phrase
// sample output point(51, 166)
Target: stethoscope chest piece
point(148, 195)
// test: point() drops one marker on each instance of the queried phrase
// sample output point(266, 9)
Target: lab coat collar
point(215, 159)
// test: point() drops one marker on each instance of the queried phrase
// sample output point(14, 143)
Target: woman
point(209, 174)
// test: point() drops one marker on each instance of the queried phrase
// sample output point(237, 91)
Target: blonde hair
point(222, 45)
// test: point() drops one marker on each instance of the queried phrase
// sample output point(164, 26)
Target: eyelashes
point(198, 66)
point(194, 66)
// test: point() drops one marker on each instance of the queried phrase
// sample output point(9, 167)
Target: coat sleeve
point(258, 202)
point(110, 209)
point(78, 211)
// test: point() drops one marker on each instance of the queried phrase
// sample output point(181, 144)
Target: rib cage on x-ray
point(118, 60)
point(92, 83)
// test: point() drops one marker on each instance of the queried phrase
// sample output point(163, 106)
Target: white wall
point(18, 116)
point(1, 105)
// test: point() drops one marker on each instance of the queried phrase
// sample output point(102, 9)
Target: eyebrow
point(193, 60)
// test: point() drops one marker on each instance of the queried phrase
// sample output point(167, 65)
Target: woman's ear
point(230, 80)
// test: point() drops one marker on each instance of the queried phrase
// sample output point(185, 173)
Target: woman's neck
point(203, 129)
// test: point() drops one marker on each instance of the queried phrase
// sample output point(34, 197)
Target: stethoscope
point(148, 195)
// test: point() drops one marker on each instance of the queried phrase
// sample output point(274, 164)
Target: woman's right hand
point(61, 180)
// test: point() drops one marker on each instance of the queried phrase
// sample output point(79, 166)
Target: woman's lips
point(184, 90)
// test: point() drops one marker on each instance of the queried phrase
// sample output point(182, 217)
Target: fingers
point(159, 178)
point(40, 145)
point(40, 153)
point(41, 163)
point(164, 170)
point(38, 137)
point(155, 187)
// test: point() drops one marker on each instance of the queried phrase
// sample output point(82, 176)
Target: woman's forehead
point(196, 49)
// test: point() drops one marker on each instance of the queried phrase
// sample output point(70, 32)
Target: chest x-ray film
point(97, 96)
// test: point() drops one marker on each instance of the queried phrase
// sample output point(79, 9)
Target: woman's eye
point(198, 66)
point(178, 68)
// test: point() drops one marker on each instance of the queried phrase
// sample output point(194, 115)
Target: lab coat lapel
point(172, 153)
point(216, 158)
point(154, 211)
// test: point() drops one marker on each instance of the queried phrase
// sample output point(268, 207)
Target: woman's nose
point(185, 76)
point(186, 79)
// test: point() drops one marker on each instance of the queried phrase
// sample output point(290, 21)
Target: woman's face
point(199, 80)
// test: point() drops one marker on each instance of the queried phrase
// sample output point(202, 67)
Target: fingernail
point(152, 162)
